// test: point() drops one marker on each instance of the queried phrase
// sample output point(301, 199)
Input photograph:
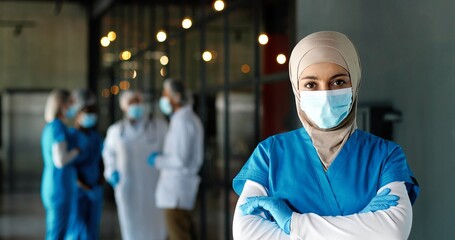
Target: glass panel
point(192, 60)
point(214, 55)
point(241, 44)
point(241, 135)
point(174, 58)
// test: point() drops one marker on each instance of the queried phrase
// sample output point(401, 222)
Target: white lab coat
point(180, 162)
point(126, 149)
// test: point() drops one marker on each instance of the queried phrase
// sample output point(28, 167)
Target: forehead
point(135, 99)
point(324, 69)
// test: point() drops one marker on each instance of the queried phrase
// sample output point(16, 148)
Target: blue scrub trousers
point(57, 218)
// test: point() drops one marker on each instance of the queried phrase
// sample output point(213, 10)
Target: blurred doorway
point(22, 121)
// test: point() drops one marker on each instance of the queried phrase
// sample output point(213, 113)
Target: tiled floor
point(22, 217)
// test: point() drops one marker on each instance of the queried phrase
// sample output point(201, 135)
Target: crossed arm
point(393, 223)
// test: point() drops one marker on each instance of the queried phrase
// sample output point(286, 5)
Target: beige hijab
point(332, 47)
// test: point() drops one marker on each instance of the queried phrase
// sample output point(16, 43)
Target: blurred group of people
point(151, 164)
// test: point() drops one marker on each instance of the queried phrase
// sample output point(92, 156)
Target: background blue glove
point(275, 206)
point(152, 158)
point(382, 201)
point(115, 178)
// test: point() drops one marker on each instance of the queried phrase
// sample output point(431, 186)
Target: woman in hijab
point(327, 180)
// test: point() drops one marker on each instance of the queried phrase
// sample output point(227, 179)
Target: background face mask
point(326, 108)
point(71, 112)
point(165, 105)
point(88, 120)
point(135, 111)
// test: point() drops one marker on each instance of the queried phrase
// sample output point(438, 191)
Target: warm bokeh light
point(105, 93)
point(124, 85)
point(115, 90)
point(187, 23)
point(161, 36)
point(112, 36)
point(126, 55)
point(263, 39)
point(164, 60)
point(207, 56)
point(134, 74)
point(281, 58)
point(105, 41)
point(163, 72)
point(245, 68)
point(218, 5)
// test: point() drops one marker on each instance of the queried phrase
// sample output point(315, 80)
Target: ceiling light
point(164, 60)
point(263, 39)
point(105, 41)
point(207, 56)
point(281, 58)
point(112, 36)
point(126, 55)
point(161, 36)
point(218, 5)
point(187, 23)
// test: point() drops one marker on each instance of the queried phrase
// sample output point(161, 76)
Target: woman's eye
point(339, 82)
point(310, 85)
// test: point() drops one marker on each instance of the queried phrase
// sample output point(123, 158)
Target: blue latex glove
point(152, 158)
point(115, 178)
point(382, 201)
point(275, 206)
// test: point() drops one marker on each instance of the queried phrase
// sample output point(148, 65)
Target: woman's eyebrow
point(309, 77)
point(339, 75)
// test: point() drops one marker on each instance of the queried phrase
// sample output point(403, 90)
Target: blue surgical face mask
point(135, 111)
point(327, 109)
point(71, 112)
point(88, 120)
point(165, 105)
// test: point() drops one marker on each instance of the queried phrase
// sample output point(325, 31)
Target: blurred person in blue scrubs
point(179, 162)
point(86, 213)
point(328, 179)
point(128, 144)
point(58, 187)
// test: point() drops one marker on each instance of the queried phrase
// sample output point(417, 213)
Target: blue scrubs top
point(89, 160)
point(86, 214)
point(58, 184)
point(288, 166)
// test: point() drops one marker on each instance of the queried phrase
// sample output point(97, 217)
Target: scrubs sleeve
point(396, 169)
point(59, 132)
point(255, 169)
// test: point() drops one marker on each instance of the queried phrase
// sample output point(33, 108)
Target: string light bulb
point(112, 36)
point(164, 60)
point(115, 90)
point(245, 68)
point(218, 5)
point(263, 39)
point(161, 36)
point(207, 56)
point(126, 55)
point(187, 23)
point(105, 41)
point(281, 58)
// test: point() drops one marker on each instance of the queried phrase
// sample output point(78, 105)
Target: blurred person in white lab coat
point(180, 161)
point(129, 142)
